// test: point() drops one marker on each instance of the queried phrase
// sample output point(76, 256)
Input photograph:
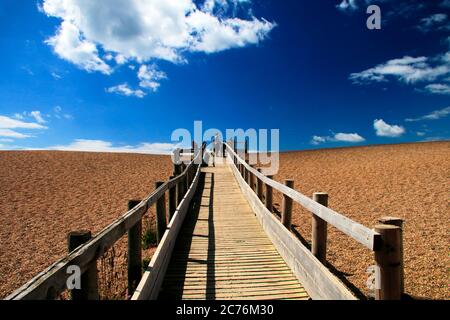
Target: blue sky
point(81, 75)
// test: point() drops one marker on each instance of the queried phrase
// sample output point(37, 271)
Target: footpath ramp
point(222, 252)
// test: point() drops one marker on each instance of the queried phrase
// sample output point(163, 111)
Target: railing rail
point(385, 240)
point(360, 233)
point(50, 282)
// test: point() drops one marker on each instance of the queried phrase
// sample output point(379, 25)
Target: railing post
point(259, 186)
point(180, 193)
point(134, 252)
point(246, 173)
point(161, 223)
point(269, 196)
point(319, 230)
point(235, 149)
point(245, 148)
point(388, 262)
point(286, 214)
point(89, 279)
point(252, 179)
point(172, 200)
point(394, 221)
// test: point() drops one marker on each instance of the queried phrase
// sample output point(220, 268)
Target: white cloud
point(383, 129)
point(57, 113)
point(10, 123)
point(347, 5)
point(145, 30)
point(434, 115)
point(37, 116)
point(7, 125)
point(124, 89)
point(150, 76)
point(70, 45)
point(13, 134)
point(55, 76)
point(348, 137)
point(406, 69)
point(432, 22)
point(106, 146)
point(338, 137)
point(438, 88)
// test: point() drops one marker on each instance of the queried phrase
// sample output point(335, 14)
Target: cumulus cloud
point(434, 115)
point(140, 31)
point(338, 137)
point(150, 76)
point(106, 146)
point(383, 129)
point(70, 45)
point(407, 69)
point(125, 90)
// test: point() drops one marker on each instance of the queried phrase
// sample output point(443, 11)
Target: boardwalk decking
point(222, 251)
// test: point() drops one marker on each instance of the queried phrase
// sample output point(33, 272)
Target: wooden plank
point(357, 231)
point(152, 279)
point(53, 279)
point(316, 278)
point(218, 256)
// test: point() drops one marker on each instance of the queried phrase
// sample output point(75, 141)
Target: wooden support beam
point(269, 196)
point(319, 230)
point(134, 252)
point(89, 279)
point(161, 222)
point(394, 221)
point(286, 214)
point(388, 262)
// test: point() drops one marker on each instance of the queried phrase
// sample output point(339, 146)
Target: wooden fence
point(52, 281)
point(385, 240)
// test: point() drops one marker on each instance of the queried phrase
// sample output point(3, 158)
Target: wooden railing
point(385, 240)
point(52, 281)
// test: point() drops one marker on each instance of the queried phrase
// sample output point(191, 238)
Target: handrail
point(368, 237)
point(52, 280)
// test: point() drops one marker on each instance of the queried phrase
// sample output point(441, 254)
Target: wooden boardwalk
point(223, 241)
point(222, 252)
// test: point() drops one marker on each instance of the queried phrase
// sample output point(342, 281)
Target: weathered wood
point(360, 233)
point(149, 287)
point(394, 221)
point(172, 201)
point(53, 279)
point(388, 262)
point(286, 213)
point(223, 257)
point(161, 222)
point(318, 281)
point(259, 187)
point(89, 278)
point(134, 252)
point(269, 196)
point(319, 230)
point(251, 180)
